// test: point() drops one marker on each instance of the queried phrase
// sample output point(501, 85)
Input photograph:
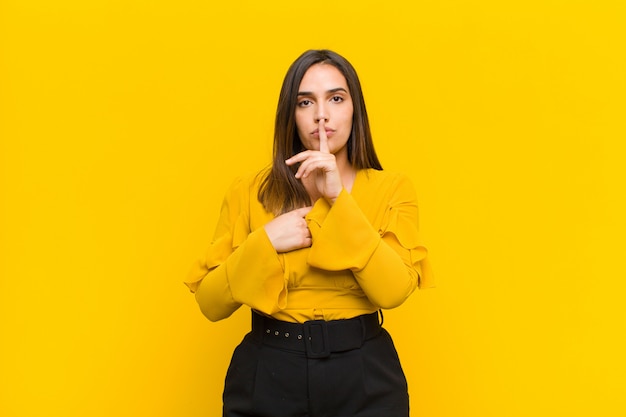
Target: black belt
point(316, 338)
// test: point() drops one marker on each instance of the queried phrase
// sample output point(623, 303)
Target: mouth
point(329, 133)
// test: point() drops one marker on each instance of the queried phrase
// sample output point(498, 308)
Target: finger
point(323, 137)
point(303, 211)
point(299, 157)
point(320, 161)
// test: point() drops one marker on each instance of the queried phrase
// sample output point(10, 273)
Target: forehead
point(322, 77)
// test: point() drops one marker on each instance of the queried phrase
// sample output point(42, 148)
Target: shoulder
point(247, 183)
point(385, 188)
point(242, 192)
point(383, 179)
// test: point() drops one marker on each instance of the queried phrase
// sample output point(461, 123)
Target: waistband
point(316, 338)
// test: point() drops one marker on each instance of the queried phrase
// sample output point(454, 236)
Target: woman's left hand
point(318, 170)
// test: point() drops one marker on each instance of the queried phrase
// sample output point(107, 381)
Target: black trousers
point(269, 378)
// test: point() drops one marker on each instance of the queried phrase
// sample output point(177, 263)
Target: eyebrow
point(332, 90)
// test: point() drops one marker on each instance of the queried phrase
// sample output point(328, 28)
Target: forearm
point(251, 275)
point(387, 279)
point(343, 238)
point(214, 295)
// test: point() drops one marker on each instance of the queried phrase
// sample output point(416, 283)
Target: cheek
point(348, 123)
point(300, 133)
point(300, 125)
point(348, 116)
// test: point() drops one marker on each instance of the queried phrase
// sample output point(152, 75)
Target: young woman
point(316, 245)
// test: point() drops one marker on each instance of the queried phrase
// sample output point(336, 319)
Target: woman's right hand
point(289, 231)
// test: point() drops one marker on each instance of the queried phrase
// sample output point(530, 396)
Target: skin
point(324, 123)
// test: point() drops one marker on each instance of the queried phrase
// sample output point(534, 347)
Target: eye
point(337, 99)
point(304, 103)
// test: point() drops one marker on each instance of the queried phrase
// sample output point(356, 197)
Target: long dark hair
point(280, 191)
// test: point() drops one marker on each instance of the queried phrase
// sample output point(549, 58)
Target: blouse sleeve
point(388, 263)
point(240, 266)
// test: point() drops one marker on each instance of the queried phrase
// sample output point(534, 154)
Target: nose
point(321, 114)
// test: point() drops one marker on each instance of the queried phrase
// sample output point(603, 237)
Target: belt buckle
point(316, 334)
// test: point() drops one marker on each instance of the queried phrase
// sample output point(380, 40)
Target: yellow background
point(122, 123)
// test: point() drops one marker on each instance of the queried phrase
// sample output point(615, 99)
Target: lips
point(329, 132)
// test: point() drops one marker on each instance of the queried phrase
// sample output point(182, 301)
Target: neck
point(346, 171)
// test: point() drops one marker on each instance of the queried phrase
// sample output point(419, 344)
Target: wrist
point(331, 199)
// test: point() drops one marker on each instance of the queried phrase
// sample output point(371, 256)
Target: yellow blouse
point(366, 254)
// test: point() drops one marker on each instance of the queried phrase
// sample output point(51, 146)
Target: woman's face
point(324, 94)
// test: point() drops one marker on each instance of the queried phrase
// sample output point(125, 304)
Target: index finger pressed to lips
point(323, 137)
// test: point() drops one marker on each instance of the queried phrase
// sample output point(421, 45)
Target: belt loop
point(257, 326)
point(316, 333)
point(363, 329)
